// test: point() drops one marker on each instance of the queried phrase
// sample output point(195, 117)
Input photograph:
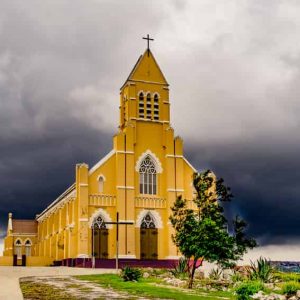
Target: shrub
point(261, 270)
point(215, 274)
point(287, 276)
point(290, 288)
point(131, 274)
point(236, 276)
point(180, 269)
point(248, 288)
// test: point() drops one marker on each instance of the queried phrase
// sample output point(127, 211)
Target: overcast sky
point(233, 69)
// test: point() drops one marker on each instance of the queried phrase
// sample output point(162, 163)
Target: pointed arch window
point(28, 248)
point(18, 248)
point(148, 176)
point(141, 105)
point(100, 184)
point(148, 221)
point(99, 223)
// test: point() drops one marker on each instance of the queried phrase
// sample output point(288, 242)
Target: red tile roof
point(24, 226)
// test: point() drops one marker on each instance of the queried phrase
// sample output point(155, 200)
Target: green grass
point(152, 288)
point(287, 276)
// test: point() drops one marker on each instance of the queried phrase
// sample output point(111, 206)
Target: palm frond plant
point(215, 274)
point(261, 270)
point(180, 269)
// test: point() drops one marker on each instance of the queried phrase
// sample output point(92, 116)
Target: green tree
point(202, 234)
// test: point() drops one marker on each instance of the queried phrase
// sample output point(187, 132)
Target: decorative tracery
point(148, 177)
point(99, 223)
point(148, 222)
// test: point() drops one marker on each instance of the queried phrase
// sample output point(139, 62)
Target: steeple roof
point(147, 69)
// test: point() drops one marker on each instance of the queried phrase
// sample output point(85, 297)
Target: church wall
point(66, 232)
point(188, 181)
point(108, 171)
point(6, 260)
point(8, 246)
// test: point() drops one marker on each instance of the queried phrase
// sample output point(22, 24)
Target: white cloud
point(289, 252)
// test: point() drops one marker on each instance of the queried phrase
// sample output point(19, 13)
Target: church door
point(100, 239)
point(148, 238)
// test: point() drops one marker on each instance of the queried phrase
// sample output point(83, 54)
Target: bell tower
point(144, 97)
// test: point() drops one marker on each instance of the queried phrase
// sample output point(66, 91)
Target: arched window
point(18, 248)
point(149, 108)
point(28, 248)
point(148, 176)
point(99, 223)
point(141, 105)
point(156, 107)
point(100, 184)
point(148, 222)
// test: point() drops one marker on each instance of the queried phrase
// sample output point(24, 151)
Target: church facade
point(139, 179)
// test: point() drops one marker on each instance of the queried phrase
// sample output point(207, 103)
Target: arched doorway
point(99, 238)
point(148, 237)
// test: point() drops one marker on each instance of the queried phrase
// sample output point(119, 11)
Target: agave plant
point(261, 270)
point(215, 274)
point(236, 276)
point(180, 269)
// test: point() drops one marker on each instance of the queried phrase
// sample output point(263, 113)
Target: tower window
point(141, 105)
point(148, 176)
point(156, 107)
point(149, 112)
point(148, 98)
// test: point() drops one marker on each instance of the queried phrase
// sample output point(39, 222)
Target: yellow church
point(139, 179)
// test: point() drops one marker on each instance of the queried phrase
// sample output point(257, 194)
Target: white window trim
point(104, 215)
point(156, 161)
point(155, 215)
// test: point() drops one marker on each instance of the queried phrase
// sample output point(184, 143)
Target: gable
point(147, 69)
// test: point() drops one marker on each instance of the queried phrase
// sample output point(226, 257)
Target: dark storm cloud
point(235, 85)
point(264, 177)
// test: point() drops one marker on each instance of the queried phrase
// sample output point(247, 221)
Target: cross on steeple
point(148, 40)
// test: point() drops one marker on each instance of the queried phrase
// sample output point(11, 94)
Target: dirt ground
point(67, 287)
point(9, 277)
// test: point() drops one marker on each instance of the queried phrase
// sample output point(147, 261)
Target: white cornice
point(102, 161)
point(190, 165)
point(59, 202)
point(175, 190)
point(125, 187)
point(24, 234)
point(124, 152)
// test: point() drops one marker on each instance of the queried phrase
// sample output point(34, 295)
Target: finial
point(148, 40)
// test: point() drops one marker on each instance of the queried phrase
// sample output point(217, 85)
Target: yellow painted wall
point(6, 260)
